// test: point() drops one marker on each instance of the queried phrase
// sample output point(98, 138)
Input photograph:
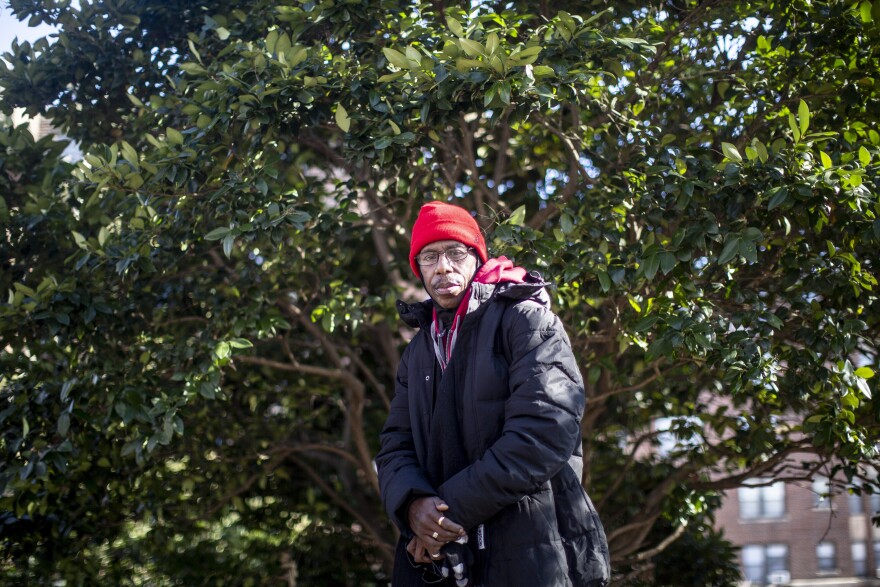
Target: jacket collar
point(533, 287)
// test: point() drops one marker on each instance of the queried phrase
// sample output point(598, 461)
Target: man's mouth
point(444, 287)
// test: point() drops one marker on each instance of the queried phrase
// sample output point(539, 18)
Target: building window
point(821, 493)
point(860, 559)
point(825, 556)
point(758, 501)
point(765, 563)
point(855, 498)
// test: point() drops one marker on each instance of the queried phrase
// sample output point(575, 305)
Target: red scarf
point(500, 270)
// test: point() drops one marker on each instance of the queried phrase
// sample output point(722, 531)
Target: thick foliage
point(198, 340)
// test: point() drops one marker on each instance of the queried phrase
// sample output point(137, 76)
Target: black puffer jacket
point(521, 399)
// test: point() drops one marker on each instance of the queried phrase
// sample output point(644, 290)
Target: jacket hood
point(532, 287)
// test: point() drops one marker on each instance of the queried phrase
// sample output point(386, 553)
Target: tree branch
point(293, 366)
point(386, 550)
point(353, 386)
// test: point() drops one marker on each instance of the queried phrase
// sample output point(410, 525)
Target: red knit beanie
point(439, 221)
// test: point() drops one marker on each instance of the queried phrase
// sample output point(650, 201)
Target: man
point(480, 460)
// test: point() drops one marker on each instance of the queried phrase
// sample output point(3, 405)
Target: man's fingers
point(418, 551)
point(450, 526)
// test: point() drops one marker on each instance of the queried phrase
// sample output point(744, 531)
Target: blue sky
point(11, 28)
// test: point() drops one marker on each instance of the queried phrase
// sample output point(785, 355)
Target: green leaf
point(296, 56)
point(498, 66)
point(472, 48)
point(650, 265)
point(173, 136)
point(134, 100)
point(779, 197)
point(826, 160)
point(634, 303)
point(454, 26)
point(731, 152)
point(79, 239)
point(63, 424)
point(342, 118)
point(752, 234)
point(240, 343)
point(864, 372)
point(391, 76)
point(128, 152)
point(217, 234)
point(271, 40)
point(865, 11)
point(134, 180)
point(193, 68)
point(282, 44)
point(527, 55)
point(667, 262)
point(645, 323)
point(491, 43)
point(566, 223)
point(731, 248)
point(518, 217)
point(503, 90)
point(396, 58)
point(207, 390)
point(415, 58)
point(489, 97)
point(803, 117)
point(222, 33)
point(748, 251)
point(793, 125)
point(864, 154)
point(222, 350)
point(604, 280)
point(763, 155)
point(227, 242)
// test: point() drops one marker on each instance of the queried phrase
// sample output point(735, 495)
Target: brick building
point(796, 534)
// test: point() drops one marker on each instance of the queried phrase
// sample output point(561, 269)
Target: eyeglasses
point(453, 255)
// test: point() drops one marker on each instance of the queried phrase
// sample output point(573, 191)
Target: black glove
point(457, 561)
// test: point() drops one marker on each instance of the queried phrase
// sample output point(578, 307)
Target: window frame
point(823, 562)
point(763, 500)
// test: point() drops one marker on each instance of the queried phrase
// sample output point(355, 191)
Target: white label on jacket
point(481, 537)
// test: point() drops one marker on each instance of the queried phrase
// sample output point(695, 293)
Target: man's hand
point(417, 549)
point(431, 527)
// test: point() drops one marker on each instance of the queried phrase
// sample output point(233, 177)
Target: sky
point(11, 28)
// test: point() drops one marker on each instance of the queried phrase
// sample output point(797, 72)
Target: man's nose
point(443, 264)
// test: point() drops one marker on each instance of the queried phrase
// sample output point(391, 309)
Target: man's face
point(445, 280)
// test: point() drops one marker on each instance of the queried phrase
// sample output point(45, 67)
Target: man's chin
point(447, 301)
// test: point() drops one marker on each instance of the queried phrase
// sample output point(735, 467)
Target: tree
point(199, 340)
